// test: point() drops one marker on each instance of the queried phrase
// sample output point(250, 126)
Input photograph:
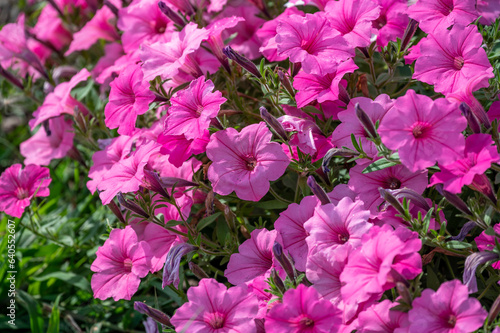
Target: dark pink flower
point(120, 264)
point(302, 310)
point(392, 21)
point(193, 108)
point(215, 41)
point(486, 242)
point(311, 41)
point(18, 187)
point(449, 59)
point(213, 308)
point(49, 27)
point(43, 147)
point(381, 318)
point(432, 14)
point(447, 310)
point(245, 162)
point(304, 135)
point(489, 10)
point(179, 149)
point(424, 131)
point(353, 19)
point(321, 88)
point(129, 97)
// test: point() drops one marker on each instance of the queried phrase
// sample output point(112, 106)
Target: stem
point(277, 197)
point(485, 290)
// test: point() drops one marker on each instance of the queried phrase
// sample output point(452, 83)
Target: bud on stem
point(242, 61)
point(366, 121)
point(318, 191)
point(273, 123)
point(157, 315)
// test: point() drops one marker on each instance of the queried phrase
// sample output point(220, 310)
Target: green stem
point(275, 195)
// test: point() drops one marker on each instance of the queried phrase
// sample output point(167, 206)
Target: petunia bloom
point(486, 242)
point(424, 131)
point(18, 187)
point(447, 310)
point(381, 318)
point(120, 264)
point(245, 162)
point(213, 308)
point(392, 22)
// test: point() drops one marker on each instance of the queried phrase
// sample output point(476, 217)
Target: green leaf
point(380, 164)
point(69, 277)
point(272, 204)
point(34, 310)
point(456, 245)
point(207, 221)
point(55, 317)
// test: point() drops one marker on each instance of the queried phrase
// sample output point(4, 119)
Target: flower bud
point(277, 281)
point(132, 206)
point(114, 208)
point(342, 152)
point(197, 271)
point(467, 227)
point(410, 30)
point(471, 118)
point(273, 123)
point(391, 200)
point(343, 94)
point(482, 184)
point(173, 262)
point(365, 121)
point(242, 61)
point(155, 314)
point(286, 82)
point(453, 199)
point(11, 78)
point(413, 196)
point(494, 311)
point(172, 16)
point(472, 263)
point(152, 182)
point(111, 7)
point(318, 191)
point(404, 292)
point(169, 182)
point(285, 263)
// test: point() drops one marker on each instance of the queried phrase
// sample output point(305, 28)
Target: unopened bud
point(284, 261)
point(471, 118)
point(152, 182)
point(404, 292)
point(391, 200)
point(172, 16)
point(173, 262)
point(112, 7)
point(343, 94)
point(341, 152)
point(114, 208)
point(197, 271)
point(365, 121)
point(413, 196)
point(273, 123)
point(132, 206)
point(277, 281)
point(453, 199)
point(494, 311)
point(155, 314)
point(467, 227)
point(11, 78)
point(242, 61)
point(318, 191)
point(286, 82)
point(410, 30)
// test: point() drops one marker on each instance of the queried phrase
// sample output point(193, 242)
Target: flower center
point(306, 322)
point(458, 62)
point(251, 163)
point(217, 321)
point(452, 320)
point(380, 22)
point(445, 7)
point(127, 263)
point(394, 183)
point(419, 130)
point(160, 27)
point(305, 45)
point(22, 193)
point(199, 109)
point(343, 237)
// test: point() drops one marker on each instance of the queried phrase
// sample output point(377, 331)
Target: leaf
point(380, 164)
point(69, 277)
point(272, 204)
point(55, 317)
point(456, 245)
point(207, 221)
point(34, 311)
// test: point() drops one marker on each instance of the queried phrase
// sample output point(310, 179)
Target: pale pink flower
point(18, 187)
point(120, 264)
point(392, 21)
point(101, 26)
point(334, 226)
point(311, 41)
point(160, 240)
point(320, 88)
point(447, 310)
point(213, 308)
point(449, 59)
point(486, 242)
point(168, 59)
point(255, 257)
point(424, 131)
point(302, 310)
point(381, 318)
point(245, 162)
point(432, 14)
point(60, 101)
point(375, 266)
point(353, 19)
point(129, 97)
point(193, 108)
point(478, 155)
point(43, 147)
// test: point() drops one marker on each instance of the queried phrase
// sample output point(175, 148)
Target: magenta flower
point(255, 257)
point(160, 240)
point(424, 131)
point(49, 27)
point(486, 242)
point(168, 59)
point(447, 310)
point(129, 97)
point(381, 319)
point(101, 26)
point(392, 21)
point(311, 41)
point(192, 109)
point(478, 155)
point(302, 310)
point(245, 162)
point(353, 19)
point(489, 10)
point(215, 41)
point(213, 308)
point(305, 133)
point(321, 88)
point(334, 226)
point(18, 187)
point(449, 59)
point(42, 148)
point(432, 14)
point(375, 266)
point(120, 264)
point(60, 101)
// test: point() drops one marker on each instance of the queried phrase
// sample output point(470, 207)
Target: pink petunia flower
point(375, 266)
point(381, 318)
point(49, 27)
point(245, 162)
point(160, 240)
point(213, 308)
point(60, 101)
point(179, 149)
point(193, 108)
point(255, 257)
point(45, 146)
point(311, 41)
point(18, 187)
point(486, 242)
point(305, 133)
point(449, 59)
point(120, 264)
point(392, 21)
point(353, 19)
point(478, 155)
point(334, 226)
point(321, 88)
point(129, 97)
point(302, 310)
point(432, 14)
point(489, 10)
point(447, 310)
point(168, 59)
point(424, 131)
point(215, 41)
